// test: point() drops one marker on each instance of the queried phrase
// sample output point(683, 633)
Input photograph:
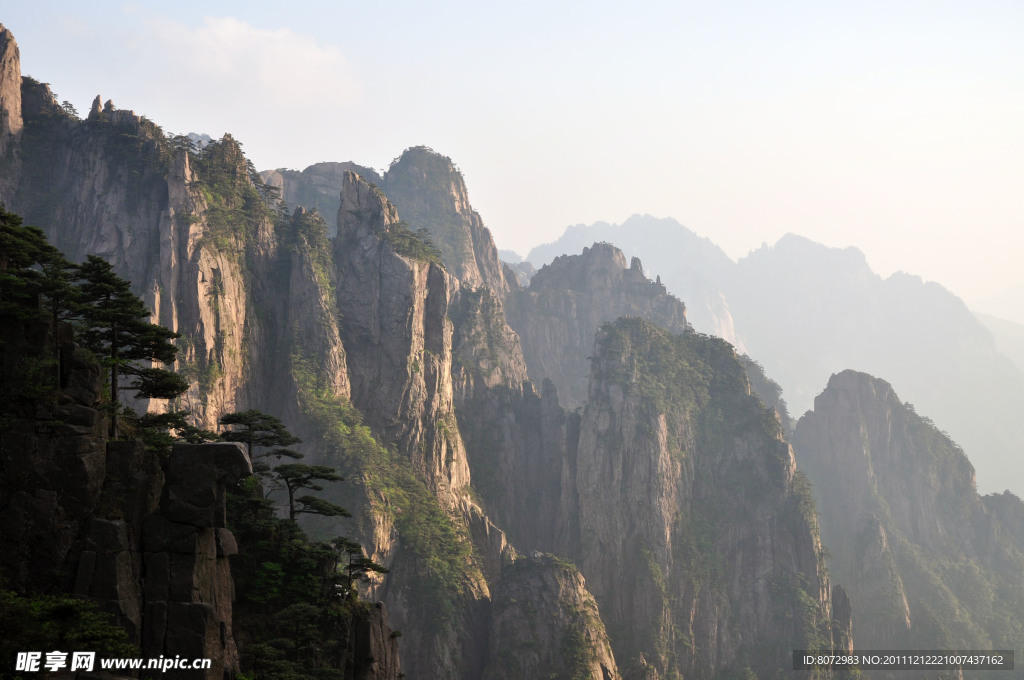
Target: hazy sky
point(897, 127)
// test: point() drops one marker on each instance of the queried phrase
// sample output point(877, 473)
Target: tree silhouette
point(262, 430)
point(29, 268)
point(116, 328)
point(359, 567)
point(297, 476)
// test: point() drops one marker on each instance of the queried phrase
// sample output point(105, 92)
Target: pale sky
point(895, 127)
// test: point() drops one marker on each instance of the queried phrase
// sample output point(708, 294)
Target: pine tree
point(29, 268)
point(359, 567)
point(116, 327)
point(297, 476)
point(21, 248)
point(160, 431)
point(56, 283)
point(262, 430)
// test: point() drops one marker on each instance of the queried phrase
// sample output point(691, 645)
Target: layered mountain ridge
point(807, 311)
point(650, 523)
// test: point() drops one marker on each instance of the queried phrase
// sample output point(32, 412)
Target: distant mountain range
point(806, 311)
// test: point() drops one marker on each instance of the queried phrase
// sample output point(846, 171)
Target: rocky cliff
point(430, 194)
point(928, 561)
point(683, 474)
point(569, 299)
point(183, 228)
point(11, 122)
point(393, 295)
point(317, 187)
point(692, 267)
point(545, 624)
point(108, 522)
point(806, 311)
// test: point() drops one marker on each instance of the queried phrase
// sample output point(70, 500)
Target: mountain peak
point(857, 381)
point(429, 191)
point(421, 163)
point(363, 209)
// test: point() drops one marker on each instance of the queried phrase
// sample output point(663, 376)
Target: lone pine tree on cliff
point(258, 429)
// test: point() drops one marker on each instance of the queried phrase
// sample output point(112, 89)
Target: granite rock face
point(317, 187)
point(683, 474)
point(309, 310)
point(925, 558)
point(692, 267)
point(156, 551)
point(428, 191)
point(569, 299)
point(431, 194)
point(545, 624)
point(398, 338)
point(11, 122)
point(138, 202)
point(101, 520)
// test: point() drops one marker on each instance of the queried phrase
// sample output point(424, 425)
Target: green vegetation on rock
point(237, 200)
point(415, 244)
point(446, 565)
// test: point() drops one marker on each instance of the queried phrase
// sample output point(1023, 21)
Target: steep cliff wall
point(567, 301)
point(684, 475)
point(318, 187)
point(103, 520)
point(545, 624)
point(514, 437)
point(430, 193)
point(927, 561)
point(217, 243)
point(393, 297)
point(11, 122)
point(188, 230)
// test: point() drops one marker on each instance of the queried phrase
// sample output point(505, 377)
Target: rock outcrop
point(545, 624)
point(683, 474)
point(317, 187)
point(569, 299)
point(108, 175)
point(102, 519)
point(399, 340)
point(693, 268)
point(927, 561)
point(11, 122)
point(188, 586)
point(373, 648)
point(430, 193)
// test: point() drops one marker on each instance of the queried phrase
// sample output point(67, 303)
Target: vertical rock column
point(188, 587)
point(11, 122)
